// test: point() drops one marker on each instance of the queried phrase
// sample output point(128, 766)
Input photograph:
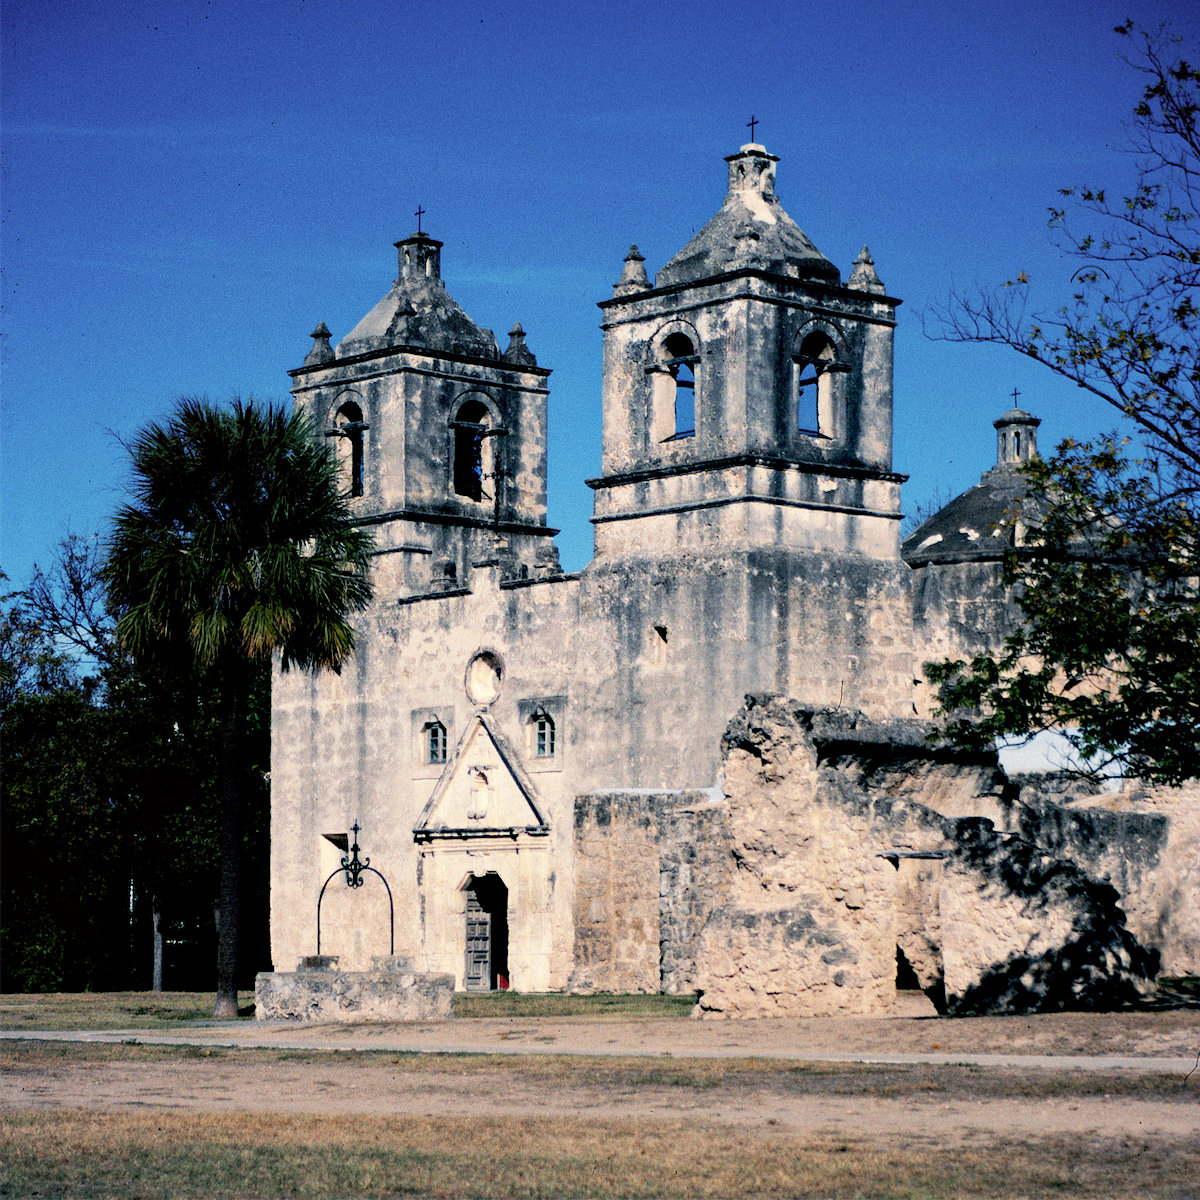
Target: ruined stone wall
point(833, 875)
point(808, 928)
point(695, 870)
point(1145, 842)
point(617, 846)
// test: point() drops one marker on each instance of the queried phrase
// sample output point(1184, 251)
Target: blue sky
point(189, 188)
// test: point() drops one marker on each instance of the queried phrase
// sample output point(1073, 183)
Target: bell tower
point(441, 437)
point(748, 392)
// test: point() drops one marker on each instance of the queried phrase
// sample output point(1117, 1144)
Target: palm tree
point(238, 545)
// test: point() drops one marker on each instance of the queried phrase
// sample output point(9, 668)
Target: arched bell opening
point(471, 424)
point(347, 432)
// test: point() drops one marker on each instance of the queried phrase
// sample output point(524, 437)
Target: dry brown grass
point(111, 1010)
point(144, 1156)
point(618, 1073)
point(170, 1010)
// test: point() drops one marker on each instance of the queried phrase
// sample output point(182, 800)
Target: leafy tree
point(109, 794)
point(1108, 582)
point(238, 546)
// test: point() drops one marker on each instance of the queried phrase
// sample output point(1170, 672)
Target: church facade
point(501, 720)
point(746, 540)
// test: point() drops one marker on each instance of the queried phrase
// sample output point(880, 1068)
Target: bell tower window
point(813, 399)
point(471, 426)
point(674, 387)
point(348, 429)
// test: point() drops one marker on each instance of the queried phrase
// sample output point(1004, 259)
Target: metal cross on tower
point(418, 214)
point(1015, 395)
point(750, 124)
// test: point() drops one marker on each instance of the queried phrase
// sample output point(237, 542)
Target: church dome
point(986, 521)
point(418, 311)
point(750, 232)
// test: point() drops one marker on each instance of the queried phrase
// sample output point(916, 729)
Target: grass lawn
point(168, 1010)
point(156, 1156)
point(170, 1152)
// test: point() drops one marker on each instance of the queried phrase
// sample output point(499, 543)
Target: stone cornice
point(771, 462)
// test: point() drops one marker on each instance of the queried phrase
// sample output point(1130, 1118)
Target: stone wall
point(317, 991)
point(650, 867)
point(833, 874)
point(617, 839)
point(1145, 842)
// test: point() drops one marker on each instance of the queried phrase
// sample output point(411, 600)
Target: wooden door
point(478, 974)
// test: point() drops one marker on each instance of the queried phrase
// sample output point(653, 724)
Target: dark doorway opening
point(906, 977)
point(487, 934)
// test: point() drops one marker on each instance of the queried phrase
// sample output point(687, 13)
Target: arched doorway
point(486, 934)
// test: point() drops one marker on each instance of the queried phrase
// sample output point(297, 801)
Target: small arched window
point(681, 364)
point(348, 429)
point(435, 742)
point(541, 734)
point(470, 425)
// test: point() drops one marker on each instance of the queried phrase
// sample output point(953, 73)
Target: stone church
point(501, 721)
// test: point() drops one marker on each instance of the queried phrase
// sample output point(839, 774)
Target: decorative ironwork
point(350, 863)
point(354, 870)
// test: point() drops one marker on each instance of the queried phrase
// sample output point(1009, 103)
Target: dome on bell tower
point(751, 231)
point(419, 311)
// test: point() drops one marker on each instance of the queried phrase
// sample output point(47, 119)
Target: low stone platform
point(317, 991)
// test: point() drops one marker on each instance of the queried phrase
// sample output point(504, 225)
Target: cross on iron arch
point(419, 214)
point(750, 124)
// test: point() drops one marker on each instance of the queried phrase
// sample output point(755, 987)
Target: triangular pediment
point(483, 792)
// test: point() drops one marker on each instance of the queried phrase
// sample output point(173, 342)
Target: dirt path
point(912, 1030)
point(945, 1104)
point(941, 1105)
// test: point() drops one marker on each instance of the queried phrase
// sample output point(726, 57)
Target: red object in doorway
point(502, 983)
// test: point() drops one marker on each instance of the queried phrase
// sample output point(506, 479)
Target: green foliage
point(1109, 582)
point(110, 797)
point(239, 545)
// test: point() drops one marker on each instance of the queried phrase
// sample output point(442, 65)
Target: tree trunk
point(233, 775)
point(156, 925)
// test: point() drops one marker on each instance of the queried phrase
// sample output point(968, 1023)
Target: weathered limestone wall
point(833, 874)
point(617, 843)
point(695, 873)
point(959, 609)
point(809, 927)
point(1145, 842)
point(650, 868)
